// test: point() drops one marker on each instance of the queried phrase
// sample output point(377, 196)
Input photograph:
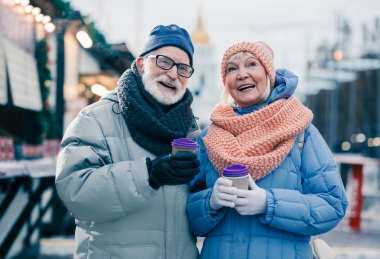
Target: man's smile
point(167, 85)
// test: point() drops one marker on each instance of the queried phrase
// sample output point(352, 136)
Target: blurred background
point(56, 57)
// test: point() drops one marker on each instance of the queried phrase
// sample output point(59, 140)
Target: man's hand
point(223, 194)
point(251, 202)
point(172, 169)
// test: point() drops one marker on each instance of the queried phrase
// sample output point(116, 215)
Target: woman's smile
point(246, 87)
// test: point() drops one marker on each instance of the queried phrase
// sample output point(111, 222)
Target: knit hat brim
point(259, 49)
point(163, 42)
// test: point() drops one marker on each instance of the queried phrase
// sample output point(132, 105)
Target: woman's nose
point(242, 74)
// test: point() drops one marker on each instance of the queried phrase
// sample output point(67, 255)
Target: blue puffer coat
point(305, 196)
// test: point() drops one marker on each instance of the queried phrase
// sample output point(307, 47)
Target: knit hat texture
point(171, 35)
point(259, 49)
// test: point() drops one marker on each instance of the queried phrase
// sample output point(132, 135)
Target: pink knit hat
point(259, 49)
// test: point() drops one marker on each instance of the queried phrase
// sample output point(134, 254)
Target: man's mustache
point(165, 79)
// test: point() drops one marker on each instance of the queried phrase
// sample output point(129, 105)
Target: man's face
point(166, 86)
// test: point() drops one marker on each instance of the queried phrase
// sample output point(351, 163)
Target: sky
point(293, 28)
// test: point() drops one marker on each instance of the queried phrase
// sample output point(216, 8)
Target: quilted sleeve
point(198, 207)
point(91, 186)
point(323, 203)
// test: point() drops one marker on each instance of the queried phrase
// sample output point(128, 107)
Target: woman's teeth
point(245, 87)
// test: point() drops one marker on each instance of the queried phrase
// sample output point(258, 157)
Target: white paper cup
point(239, 182)
point(238, 174)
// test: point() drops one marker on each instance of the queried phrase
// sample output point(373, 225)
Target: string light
point(24, 2)
point(49, 27)
point(338, 55)
point(39, 17)
point(360, 138)
point(28, 8)
point(36, 11)
point(46, 19)
point(81, 87)
point(346, 146)
point(376, 142)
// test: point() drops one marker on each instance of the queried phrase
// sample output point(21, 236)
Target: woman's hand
point(223, 194)
point(251, 202)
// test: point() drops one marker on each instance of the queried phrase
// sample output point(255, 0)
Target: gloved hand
point(251, 202)
point(172, 169)
point(223, 194)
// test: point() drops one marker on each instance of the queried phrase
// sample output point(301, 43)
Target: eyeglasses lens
point(167, 63)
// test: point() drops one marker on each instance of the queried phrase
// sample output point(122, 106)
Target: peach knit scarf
point(260, 140)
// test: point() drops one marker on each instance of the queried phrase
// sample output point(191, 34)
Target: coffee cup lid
point(184, 143)
point(236, 170)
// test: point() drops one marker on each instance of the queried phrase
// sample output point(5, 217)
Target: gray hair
point(226, 98)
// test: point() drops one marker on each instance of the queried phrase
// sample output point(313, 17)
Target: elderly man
point(115, 173)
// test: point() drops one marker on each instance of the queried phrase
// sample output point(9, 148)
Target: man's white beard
point(164, 97)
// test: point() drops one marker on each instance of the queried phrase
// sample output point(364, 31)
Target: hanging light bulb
point(84, 39)
point(98, 89)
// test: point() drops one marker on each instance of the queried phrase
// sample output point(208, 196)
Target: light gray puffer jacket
point(102, 179)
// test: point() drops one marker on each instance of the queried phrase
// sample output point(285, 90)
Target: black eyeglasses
point(167, 63)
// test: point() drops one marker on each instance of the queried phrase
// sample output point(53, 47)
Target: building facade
point(203, 84)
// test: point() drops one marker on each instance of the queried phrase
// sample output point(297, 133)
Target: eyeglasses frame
point(174, 64)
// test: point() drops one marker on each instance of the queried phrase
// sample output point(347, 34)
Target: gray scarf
point(152, 125)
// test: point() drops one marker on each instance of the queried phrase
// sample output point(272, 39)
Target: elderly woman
point(293, 193)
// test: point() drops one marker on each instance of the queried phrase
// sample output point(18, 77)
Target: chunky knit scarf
point(150, 126)
point(260, 140)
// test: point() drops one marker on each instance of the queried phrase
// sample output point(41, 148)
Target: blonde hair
point(226, 98)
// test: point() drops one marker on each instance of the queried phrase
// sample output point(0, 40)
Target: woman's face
point(246, 80)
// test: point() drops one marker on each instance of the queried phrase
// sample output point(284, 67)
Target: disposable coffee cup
point(184, 144)
point(238, 174)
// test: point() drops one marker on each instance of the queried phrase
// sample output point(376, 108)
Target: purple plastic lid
point(236, 170)
point(184, 143)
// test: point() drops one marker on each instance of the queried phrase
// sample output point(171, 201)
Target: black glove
point(198, 186)
point(172, 169)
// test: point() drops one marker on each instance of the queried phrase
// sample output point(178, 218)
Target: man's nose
point(172, 73)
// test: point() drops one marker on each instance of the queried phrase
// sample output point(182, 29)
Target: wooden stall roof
point(355, 159)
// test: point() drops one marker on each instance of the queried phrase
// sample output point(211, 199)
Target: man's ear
point(140, 65)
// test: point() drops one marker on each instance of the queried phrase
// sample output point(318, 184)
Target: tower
point(202, 84)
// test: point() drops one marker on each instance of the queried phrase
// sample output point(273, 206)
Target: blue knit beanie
point(171, 35)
